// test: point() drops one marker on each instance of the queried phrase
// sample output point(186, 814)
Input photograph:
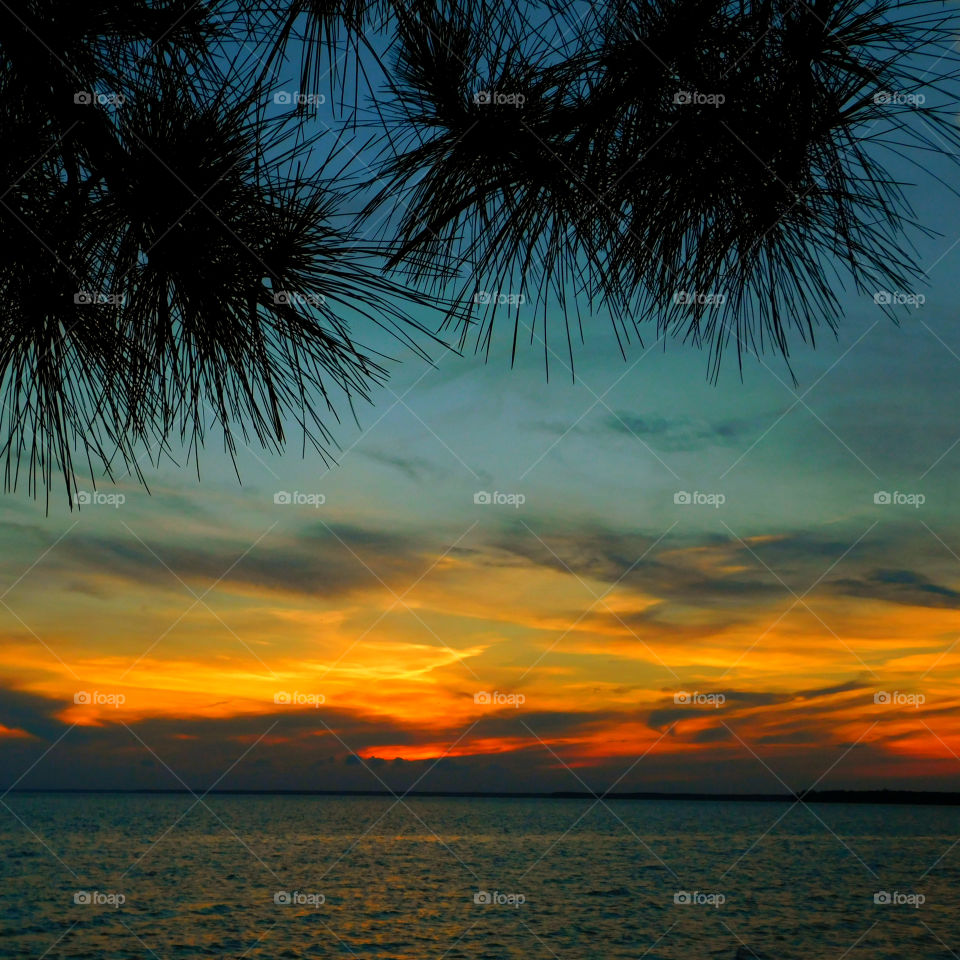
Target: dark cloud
point(319, 561)
point(321, 750)
point(416, 469)
point(846, 687)
point(681, 434)
point(722, 572)
point(711, 571)
point(667, 569)
point(898, 586)
point(662, 718)
point(806, 735)
point(670, 434)
point(298, 749)
point(736, 701)
point(757, 699)
point(34, 714)
point(715, 734)
point(549, 724)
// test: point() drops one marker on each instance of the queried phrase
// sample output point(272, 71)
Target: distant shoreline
point(918, 797)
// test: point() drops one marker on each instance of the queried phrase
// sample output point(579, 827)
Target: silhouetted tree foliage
point(183, 251)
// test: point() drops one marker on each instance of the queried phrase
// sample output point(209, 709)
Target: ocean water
point(114, 876)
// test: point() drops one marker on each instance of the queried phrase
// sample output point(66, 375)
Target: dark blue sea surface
point(168, 876)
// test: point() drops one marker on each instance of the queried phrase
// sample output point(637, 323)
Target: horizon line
point(883, 795)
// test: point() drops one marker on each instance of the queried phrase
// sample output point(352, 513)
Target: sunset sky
point(598, 599)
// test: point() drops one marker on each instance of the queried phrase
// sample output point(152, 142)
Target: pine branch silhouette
point(183, 256)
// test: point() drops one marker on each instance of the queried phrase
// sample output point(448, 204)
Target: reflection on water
point(110, 877)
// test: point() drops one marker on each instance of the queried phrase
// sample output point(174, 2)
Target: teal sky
point(799, 597)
